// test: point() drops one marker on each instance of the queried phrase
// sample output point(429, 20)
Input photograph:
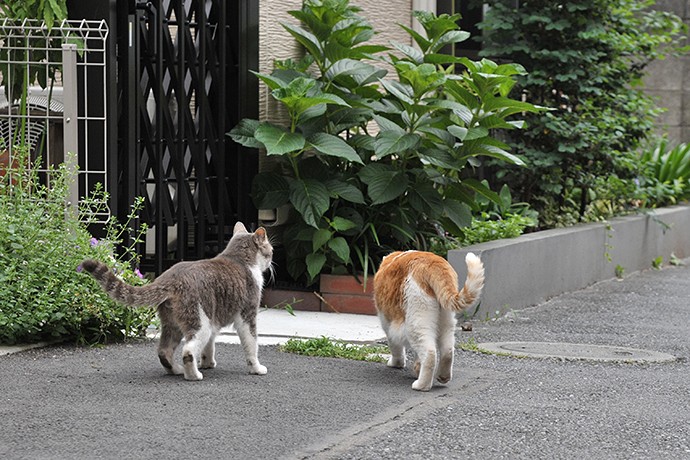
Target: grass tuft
point(327, 348)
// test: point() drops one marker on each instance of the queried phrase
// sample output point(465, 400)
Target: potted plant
point(370, 162)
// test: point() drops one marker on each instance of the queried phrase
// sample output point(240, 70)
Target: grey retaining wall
point(532, 268)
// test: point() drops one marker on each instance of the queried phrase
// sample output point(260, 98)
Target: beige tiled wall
point(277, 43)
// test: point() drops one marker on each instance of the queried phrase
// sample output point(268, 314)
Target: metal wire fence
point(53, 100)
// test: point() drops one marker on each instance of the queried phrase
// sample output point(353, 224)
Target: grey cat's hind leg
point(246, 330)
point(196, 340)
point(170, 339)
point(208, 354)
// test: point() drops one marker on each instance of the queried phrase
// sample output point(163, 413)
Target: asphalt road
point(116, 402)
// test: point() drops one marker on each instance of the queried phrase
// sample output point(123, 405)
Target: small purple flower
point(94, 242)
point(138, 273)
point(79, 268)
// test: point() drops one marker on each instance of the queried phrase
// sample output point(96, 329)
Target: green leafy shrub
point(586, 60)
point(42, 295)
point(369, 162)
point(494, 221)
point(667, 168)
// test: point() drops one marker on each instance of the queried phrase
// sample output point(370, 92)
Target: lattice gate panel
point(187, 94)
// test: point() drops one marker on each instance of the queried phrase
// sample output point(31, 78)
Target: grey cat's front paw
point(258, 369)
point(194, 377)
point(207, 363)
point(398, 363)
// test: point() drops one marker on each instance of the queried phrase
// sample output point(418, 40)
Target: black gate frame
point(179, 158)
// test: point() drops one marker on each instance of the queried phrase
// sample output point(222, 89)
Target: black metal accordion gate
point(183, 83)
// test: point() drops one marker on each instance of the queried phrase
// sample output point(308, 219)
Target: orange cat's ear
point(239, 228)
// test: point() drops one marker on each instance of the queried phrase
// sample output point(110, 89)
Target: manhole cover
point(575, 351)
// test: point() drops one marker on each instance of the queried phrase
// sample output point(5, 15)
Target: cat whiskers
point(271, 274)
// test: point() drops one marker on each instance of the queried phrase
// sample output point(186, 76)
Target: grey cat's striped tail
point(474, 283)
point(118, 290)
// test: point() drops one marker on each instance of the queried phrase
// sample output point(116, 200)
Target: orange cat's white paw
point(443, 379)
point(420, 386)
point(396, 363)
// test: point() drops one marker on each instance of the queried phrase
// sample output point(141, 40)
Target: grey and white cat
point(196, 299)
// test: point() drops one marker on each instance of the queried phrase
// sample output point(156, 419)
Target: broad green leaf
point(413, 53)
point(438, 135)
point(497, 152)
point(321, 237)
point(340, 247)
point(243, 133)
point(306, 39)
point(441, 159)
point(387, 125)
point(349, 67)
point(418, 38)
point(270, 190)
point(344, 190)
point(271, 81)
point(298, 87)
point(315, 263)
point(277, 140)
point(452, 36)
point(476, 133)
point(402, 91)
point(386, 187)
point(334, 146)
point(422, 78)
point(506, 198)
point(458, 213)
point(310, 198)
point(442, 59)
point(388, 142)
point(370, 172)
point(341, 224)
point(426, 199)
point(458, 131)
point(482, 189)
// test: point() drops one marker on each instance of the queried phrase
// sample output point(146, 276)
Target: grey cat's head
point(253, 248)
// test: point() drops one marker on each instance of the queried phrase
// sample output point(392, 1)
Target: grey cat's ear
point(239, 228)
point(260, 234)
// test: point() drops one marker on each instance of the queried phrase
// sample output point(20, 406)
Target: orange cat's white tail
point(450, 298)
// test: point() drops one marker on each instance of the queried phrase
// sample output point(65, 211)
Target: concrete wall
point(532, 268)
point(666, 81)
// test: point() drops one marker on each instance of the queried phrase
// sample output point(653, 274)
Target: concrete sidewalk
point(276, 326)
point(117, 402)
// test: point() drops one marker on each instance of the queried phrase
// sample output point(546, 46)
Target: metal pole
point(70, 122)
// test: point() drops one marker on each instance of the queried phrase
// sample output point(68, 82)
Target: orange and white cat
point(416, 295)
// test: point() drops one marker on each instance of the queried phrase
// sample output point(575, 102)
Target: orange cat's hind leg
point(396, 343)
point(427, 361)
point(446, 346)
point(422, 339)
